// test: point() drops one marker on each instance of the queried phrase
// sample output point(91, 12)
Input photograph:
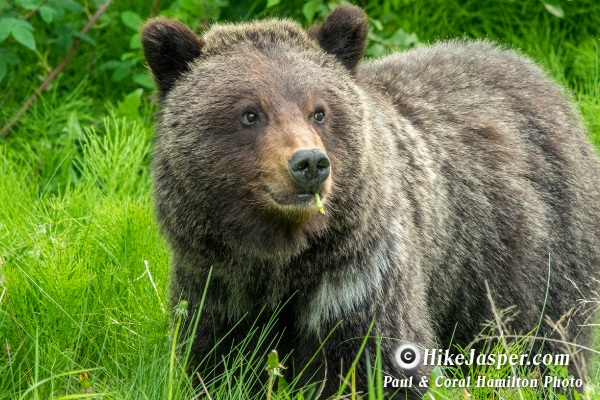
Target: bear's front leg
point(342, 344)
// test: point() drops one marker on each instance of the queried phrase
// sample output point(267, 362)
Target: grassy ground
point(84, 271)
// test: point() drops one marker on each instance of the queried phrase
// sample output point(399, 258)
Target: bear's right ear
point(169, 46)
point(343, 33)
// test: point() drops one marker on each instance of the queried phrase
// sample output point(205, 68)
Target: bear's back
point(466, 81)
point(520, 175)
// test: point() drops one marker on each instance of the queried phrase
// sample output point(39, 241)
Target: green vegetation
point(83, 269)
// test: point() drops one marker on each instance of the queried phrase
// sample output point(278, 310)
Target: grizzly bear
point(453, 177)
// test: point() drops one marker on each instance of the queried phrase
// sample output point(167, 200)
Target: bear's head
point(256, 119)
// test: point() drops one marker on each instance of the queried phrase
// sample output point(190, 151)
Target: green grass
point(76, 290)
point(84, 273)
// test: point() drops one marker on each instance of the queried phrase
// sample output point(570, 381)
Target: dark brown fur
point(451, 166)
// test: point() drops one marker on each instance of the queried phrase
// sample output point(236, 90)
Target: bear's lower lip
point(299, 200)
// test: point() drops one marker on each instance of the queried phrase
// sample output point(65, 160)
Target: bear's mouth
point(297, 200)
point(301, 199)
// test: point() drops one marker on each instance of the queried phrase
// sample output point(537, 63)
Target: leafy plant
point(53, 27)
point(125, 66)
point(554, 8)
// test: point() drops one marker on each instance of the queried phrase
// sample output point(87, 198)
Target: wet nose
point(309, 168)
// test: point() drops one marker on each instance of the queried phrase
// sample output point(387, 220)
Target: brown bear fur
point(451, 166)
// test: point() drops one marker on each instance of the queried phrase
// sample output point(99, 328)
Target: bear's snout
point(309, 169)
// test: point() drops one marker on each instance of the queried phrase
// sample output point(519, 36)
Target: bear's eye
point(249, 118)
point(319, 116)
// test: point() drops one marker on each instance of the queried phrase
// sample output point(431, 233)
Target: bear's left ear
point(343, 33)
point(169, 46)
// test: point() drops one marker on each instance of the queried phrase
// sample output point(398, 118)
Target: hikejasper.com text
point(446, 358)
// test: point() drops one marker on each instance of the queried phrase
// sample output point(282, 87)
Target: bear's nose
point(309, 168)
